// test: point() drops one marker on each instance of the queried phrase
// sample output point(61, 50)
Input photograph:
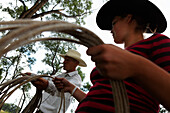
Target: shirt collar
point(72, 73)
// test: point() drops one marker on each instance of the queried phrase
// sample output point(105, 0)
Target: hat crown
point(73, 53)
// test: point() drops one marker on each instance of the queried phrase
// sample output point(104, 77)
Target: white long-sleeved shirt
point(51, 97)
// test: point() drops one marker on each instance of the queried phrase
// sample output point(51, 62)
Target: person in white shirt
point(51, 98)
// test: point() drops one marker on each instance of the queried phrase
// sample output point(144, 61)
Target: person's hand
point(39, 83)
point(62, 83)
point(113, 62)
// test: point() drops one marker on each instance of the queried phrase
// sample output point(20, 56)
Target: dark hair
point(143, 23)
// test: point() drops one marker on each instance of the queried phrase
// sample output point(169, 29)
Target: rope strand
point(23, 32)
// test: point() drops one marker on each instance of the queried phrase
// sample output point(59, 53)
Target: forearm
point(154, 80)
point(78, 94)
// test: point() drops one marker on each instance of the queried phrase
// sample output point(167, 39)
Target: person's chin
point(117, 42)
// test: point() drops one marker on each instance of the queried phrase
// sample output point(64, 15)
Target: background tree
point(10, 108)
point(14, 62)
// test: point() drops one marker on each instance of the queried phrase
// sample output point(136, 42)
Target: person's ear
point(129, 18)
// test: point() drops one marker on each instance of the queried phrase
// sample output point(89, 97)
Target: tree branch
point(58, 11)
point(29, 13)
point(52, 63)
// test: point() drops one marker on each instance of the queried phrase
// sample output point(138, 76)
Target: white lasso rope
point(23, 31)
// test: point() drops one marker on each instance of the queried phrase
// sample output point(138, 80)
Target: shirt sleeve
point(160, 53)
point(51, 89)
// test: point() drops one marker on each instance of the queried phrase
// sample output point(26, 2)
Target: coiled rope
point(23, 32)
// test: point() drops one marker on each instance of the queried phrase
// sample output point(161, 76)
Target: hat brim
point(81, 62)
point(143, 8)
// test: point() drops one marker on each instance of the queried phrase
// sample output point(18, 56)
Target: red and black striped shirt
point(100, 100)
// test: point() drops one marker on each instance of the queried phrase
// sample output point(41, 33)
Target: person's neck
point(68, 71)
point(132, 39)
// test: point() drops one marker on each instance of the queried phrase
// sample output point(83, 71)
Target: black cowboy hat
point(142, 8)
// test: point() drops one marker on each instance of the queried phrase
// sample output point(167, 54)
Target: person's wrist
point(71, 88)
point(73, 91)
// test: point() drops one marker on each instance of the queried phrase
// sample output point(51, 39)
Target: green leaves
point(77, 10)
point(14, 12)
point(11, 108)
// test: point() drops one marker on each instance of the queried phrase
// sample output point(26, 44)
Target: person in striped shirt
point(144, 64)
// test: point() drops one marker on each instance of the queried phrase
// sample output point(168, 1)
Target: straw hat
point(143, 8)
point(75, 55)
